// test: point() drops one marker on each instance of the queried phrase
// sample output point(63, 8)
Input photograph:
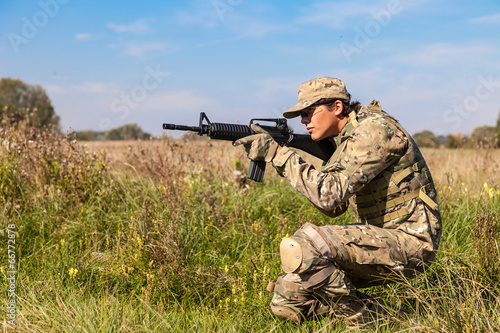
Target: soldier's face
point(322, 122)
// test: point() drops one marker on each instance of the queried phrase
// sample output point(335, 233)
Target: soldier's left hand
point(259, 146)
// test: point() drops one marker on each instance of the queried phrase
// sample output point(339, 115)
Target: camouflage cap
point(312, 91)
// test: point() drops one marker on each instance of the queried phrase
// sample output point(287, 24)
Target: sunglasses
point(308, 113)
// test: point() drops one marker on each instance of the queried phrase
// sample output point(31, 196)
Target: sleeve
point(368, 150)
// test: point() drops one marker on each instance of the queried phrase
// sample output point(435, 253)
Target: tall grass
point(166, 237)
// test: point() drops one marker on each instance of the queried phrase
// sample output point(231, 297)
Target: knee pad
point(286, 313)
point(307, 254)
point(291, 254)
point(304, 251)
point(299, 255)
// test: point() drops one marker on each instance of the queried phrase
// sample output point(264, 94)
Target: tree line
point(125, 132)
point(481, 137)
point(23, 101)
point(20, 101)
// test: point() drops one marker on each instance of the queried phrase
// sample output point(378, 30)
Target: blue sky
point(432, 64)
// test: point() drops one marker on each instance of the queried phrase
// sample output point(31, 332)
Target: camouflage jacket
point(378, 169)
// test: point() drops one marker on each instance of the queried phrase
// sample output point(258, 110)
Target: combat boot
point(374, 309)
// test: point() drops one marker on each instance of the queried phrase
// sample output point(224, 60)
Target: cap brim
point(294, 111)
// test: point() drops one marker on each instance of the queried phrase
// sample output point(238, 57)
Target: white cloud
point(337, 14)
point(83, 36)
point(145, 49)
point(95, 87)
point(333, 14)
point(84, 87)
point(54, 89)
point(180, 107)
point(273, 88)
point(229, 17)
point(184, 100)
point(427, 99)
point(487, 19)
point(191, 18)
point(448, 54)
point(140, 50)
point(139, 26)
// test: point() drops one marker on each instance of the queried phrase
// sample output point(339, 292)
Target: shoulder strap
point(374, 106)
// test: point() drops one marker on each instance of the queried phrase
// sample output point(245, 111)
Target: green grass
point(171, 250)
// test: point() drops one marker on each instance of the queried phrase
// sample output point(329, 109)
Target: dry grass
point(464, 167)
point(460, 167)
point(206, 157)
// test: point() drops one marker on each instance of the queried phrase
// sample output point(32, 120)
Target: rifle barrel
point(181, 127)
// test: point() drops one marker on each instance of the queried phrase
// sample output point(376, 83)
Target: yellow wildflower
point(72, 272)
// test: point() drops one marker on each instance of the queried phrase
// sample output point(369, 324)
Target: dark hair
point(347, 106)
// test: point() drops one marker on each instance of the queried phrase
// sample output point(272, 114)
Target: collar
point(351, 124)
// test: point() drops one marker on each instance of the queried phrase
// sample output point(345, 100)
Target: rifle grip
point(256, 170)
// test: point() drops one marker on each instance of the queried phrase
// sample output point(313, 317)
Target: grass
point(163, 236)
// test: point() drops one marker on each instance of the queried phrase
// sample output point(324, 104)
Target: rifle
point(323, 149)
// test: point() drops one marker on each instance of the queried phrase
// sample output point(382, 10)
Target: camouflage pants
point(325, 266)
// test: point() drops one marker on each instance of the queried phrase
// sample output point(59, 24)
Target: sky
point(433, 65)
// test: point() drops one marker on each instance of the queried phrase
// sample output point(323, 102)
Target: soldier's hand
point(260, 146)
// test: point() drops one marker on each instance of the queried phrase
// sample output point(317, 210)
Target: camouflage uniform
point(379, 171)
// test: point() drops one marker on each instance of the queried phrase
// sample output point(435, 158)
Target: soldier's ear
point(338, 107)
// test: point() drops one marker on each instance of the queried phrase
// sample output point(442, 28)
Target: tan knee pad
point(291, 255)
point(286, 313)
point(299, 255)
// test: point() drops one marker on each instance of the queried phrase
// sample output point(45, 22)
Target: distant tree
point(454, 141)
point(497, 130)
point(89, 136)
point(126, 132)
point(20, 100)
point(427, 139)
point(193, 136)
point(484, 137)
point(451, 142)
point(498, 120)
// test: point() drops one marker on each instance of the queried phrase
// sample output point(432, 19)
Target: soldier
point(379, 172)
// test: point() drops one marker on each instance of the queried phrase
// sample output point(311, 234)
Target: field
point(165, 236)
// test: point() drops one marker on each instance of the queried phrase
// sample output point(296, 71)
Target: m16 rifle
point(280, 132)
